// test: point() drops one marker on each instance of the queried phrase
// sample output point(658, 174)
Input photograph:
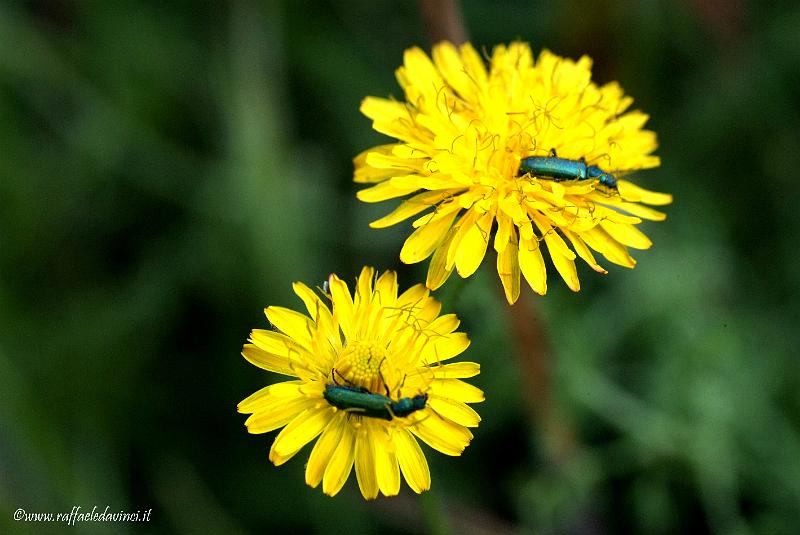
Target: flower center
point(360, 364)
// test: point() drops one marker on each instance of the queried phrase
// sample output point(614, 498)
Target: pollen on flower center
point(361, 364)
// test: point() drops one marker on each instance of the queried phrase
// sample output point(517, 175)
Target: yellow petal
point(599, 240)
point(277, 414)
point(254, 402)
point(426, 79)
point(438, 272)
point(300, 431)
point(266, 360)
point(383, 191)
point(505, 232)
point(457, 389)
point(456, 370)
point(631, 192)
point(365, 461)
point(324, 448)
point(444, 324)
point(441, 348)
point(367, 174)
point(414, 297)
point(386, 289)
point(384, 160)
point(423, 180)
point(427, 312)
point(411, 207)
point(342, 305)
point(564, 264)
point(425, 239)
point(511, 205)
point(317, 310)
point(644, 212)
point(448, 61)
point(442, 434)
point(459, 413)
point(627, 235)
point(610, 213)
point(531, 264)
point(583, 251)
point(464, 225)
point(386, 468)
point(474, 66)
point(340, 464)
point(508, 269)
point(555, 244)
point(382, 109)
point(293, 324)
point(364, 286)
point(412, 461)
point(473, 245)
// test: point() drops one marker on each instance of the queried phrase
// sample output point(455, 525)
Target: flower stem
point(443, 21)
point(532, 348)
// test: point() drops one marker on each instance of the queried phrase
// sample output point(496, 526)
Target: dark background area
point(168, 169)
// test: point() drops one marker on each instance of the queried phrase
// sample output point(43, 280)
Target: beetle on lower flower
point(371, 379)
point(478, 148)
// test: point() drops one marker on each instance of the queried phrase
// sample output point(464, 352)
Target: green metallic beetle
point(559, 169)
point(361, 401)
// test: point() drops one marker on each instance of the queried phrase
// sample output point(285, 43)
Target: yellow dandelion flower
point(462, 134)
point(370, 381)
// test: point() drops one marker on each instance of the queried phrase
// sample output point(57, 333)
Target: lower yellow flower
point(370, 381)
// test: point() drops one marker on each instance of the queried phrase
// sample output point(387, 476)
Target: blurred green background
point(168, 169)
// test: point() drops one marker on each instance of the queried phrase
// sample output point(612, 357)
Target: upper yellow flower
point(370, 380)
point(462, 133)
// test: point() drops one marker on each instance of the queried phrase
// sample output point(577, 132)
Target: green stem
point(434, 515)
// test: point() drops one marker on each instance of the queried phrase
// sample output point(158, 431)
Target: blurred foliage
point(168, 169)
